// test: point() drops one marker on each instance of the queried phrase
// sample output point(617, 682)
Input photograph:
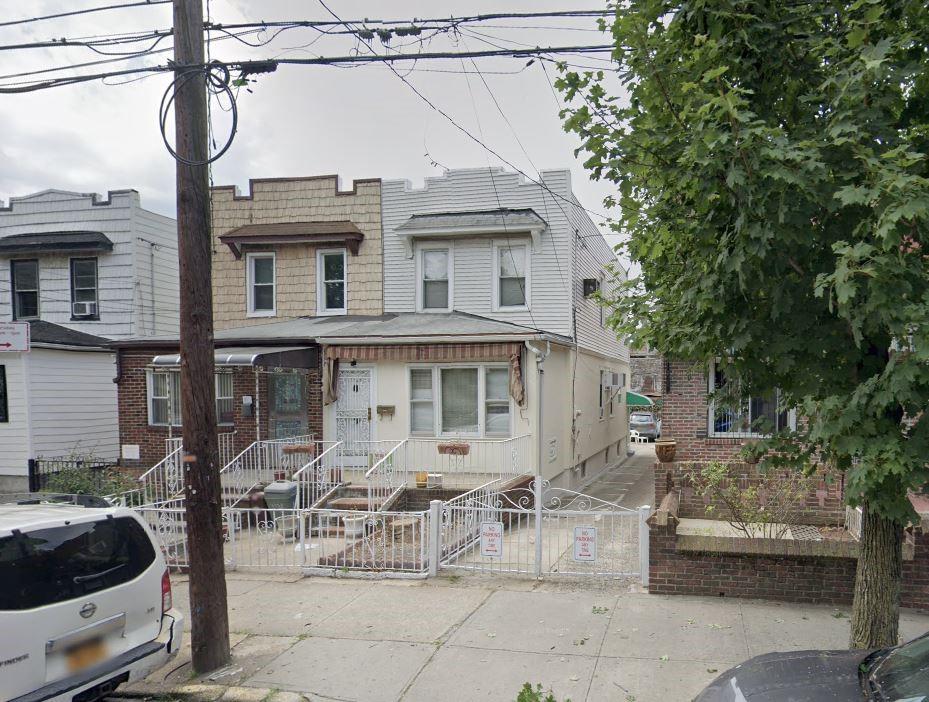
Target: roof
point(420, 325)
point(42, 332)
point(55, 242)
point(524, 218)
point(342, 232)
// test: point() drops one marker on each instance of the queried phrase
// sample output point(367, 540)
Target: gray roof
point(42, 332)
point(53, 242)
point(506, 218)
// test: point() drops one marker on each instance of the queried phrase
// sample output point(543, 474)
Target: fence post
point(644, 511)
point(537, 485)
point(230, 530)
point(435, 536)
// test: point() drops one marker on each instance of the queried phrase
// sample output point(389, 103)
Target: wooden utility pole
point(209, 617)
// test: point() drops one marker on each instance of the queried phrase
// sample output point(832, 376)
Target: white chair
point(636, 438)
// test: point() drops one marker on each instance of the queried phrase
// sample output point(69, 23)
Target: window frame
point(438, 430)
point(4, 396)
point(14, 292)
point(431, 401)
point(250, 283)
point(498, 247)
point(174, 404)
point(321, 309)
point(230, 397)
point(96, 288)
point(421, 280)
point(712, 433)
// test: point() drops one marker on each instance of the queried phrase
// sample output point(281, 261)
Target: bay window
point(460, 400)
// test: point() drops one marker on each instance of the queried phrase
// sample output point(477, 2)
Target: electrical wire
point(71, 13)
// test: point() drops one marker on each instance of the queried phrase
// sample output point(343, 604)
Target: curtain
point(517, 388)
point(330, 380)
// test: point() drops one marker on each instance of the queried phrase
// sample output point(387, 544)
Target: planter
point(422, 478)
point(354, 527)
point(666, 449)
point(454, 448)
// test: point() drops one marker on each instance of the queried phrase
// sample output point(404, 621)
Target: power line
point(142, 3)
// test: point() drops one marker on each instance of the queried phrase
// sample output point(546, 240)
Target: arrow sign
point(14, 336)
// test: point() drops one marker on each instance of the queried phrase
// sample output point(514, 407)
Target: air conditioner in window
point(83, 309)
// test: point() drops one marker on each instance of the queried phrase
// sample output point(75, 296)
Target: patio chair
point(636, 438)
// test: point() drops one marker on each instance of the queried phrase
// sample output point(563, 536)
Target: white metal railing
point(163, 481)
point(261, 462)
point(226, 442)
point(320, 474)
point(387, 472)
point(853, 517)
point(465, 462)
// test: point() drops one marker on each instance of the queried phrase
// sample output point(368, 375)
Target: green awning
point(634, 399)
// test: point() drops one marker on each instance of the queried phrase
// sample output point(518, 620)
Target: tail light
point(167, 601)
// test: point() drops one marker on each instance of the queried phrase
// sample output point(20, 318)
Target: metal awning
point(259, 357)
point(55, 242)
point(500, 222)
point(340, 233)
point(634, 399)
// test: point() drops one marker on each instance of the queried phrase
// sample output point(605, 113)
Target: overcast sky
point(302, 120)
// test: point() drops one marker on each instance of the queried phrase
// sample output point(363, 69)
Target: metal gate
point(353, 415)
point(539, 530)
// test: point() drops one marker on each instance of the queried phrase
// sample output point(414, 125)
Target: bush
point(89, 481)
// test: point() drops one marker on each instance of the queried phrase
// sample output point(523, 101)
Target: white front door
point(353, 414)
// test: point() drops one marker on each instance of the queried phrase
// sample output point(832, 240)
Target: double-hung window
point(25, 278)
point(84, 302)
point(460, 400)
point(511, 281)
point(224, 401)
point(435, 279)
point(164, 397)
point(733, 415)
point(331, 287)
point(261, 285)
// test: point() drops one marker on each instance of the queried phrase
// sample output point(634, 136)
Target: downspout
point(257, 407)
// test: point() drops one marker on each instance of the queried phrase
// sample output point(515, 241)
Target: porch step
point(352, 503)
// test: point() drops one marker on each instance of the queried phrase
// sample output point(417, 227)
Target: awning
point(500, 222)
point(634, 399)
point(341, 233)
point(55, 242)
point(259, 357)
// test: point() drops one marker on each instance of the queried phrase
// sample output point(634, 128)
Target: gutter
point(445, 339)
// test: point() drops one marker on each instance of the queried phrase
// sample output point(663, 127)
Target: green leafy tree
point(770, 158)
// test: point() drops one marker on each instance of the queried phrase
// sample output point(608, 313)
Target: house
point(56, 400)
point(103, 267)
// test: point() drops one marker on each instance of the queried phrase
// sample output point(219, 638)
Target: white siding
point(14, 435)
point(73, 401)
point(125, 299)
point(484, 189)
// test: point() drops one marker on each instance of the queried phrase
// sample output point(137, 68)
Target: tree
point(771, 163)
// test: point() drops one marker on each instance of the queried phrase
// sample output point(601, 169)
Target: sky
point(359, 122)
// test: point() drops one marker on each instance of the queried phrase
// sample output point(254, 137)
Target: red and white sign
point(492, 539)
point(14, 336)
point(585, 543)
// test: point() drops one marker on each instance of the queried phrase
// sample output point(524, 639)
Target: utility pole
point(208, 613)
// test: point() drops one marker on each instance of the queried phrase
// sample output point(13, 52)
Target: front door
point(287, 415)
point(353, 415)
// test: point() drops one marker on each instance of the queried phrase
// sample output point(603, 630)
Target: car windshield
point(641, 418)
point(904, 673)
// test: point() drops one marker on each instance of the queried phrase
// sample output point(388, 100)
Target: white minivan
point(85, 602)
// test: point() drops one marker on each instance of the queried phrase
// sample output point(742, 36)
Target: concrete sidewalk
point(477, 638)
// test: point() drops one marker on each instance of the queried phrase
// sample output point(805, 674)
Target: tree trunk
point(876, 609)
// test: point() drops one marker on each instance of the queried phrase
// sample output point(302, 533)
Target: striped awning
point(502, 351)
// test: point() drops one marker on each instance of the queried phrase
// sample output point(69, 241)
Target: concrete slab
point(346, 669)
point(541, 622)
point(458, 674)
point(677, 627)
point(627, 679)
point(422, 613)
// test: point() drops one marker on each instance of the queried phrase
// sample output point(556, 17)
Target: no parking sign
point(585, 543)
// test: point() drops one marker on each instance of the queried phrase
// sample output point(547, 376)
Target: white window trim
point(321, 308)
point(149, 397)
point(437, 401)
point(420, 271)
point(711, 414)
point(250, 280)
point(497, 247)
point(217, 398)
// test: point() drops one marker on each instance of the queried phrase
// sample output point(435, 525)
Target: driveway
point(475, 638)
point(628, 483)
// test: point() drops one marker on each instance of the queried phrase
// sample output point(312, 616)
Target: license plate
point(86, 655)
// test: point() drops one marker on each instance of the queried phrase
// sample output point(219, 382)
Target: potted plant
point(422, 478)
point(666, 449)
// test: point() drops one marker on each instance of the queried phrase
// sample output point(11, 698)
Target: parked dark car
point(646, 424)
point(897, 674)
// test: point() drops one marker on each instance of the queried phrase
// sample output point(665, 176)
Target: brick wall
point(825, 505)
point(646, 372)
point(133, 407)
point(316, 199)
point(790, 578)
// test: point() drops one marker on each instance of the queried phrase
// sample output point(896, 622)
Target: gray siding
point(14, 435)
point(125, 303)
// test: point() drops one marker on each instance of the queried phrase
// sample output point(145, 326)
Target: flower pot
point(422, 478)
point(354, 527)
point(666, 450)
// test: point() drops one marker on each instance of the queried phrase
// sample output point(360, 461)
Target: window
point(422, 402)
point(511, 283)
point(460, 400)
point(4, 403)
point(164, 398)
point(224, 402)
point(25, 278)
point(330, 272)
point(261, 285)
point(84, 288)
point(435, 266)
point(731, 415)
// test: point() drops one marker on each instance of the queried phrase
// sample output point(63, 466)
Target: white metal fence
point(225, 441)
